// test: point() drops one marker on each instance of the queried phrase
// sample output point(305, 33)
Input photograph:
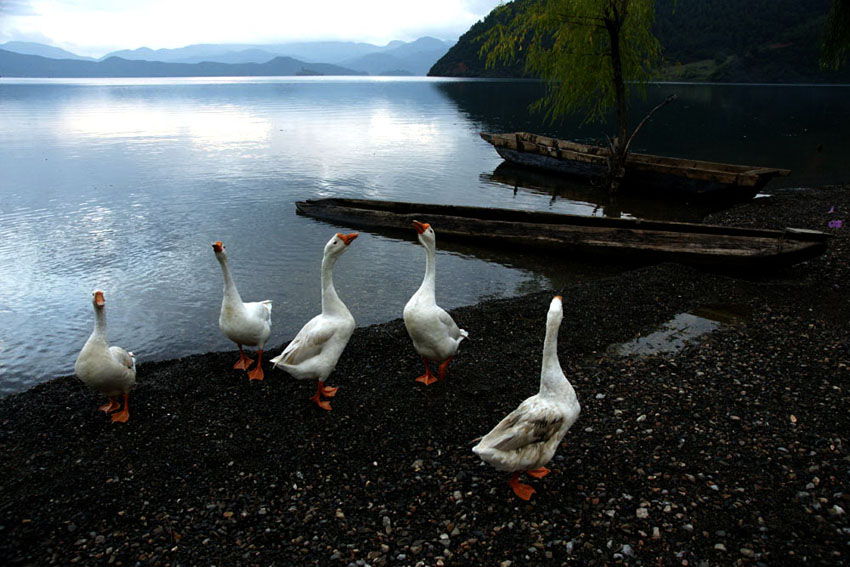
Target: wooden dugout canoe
point(672, 177)
point(632, 240)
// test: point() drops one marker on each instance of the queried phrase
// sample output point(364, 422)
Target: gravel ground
point(731, 450)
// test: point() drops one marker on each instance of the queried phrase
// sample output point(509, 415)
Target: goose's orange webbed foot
point(523, 491)
point(538, 473)
point(244, 362)
point(123, 415)
point(329, 391)
point(257, 372)
point(317, 397)
point(324, 404)
point(428, 378)
point(111, 406)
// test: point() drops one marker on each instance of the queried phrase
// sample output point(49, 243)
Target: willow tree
point(591, 55)
point(835, 48)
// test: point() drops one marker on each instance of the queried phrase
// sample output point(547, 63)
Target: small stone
point(747, 552)
point(627, 550)
point(506, 563)
point(719, 547)
point(642, 513)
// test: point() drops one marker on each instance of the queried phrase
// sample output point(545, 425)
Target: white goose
point(247, 324)
point(434, 333)
point(110, 370)
point(315, 350)
point(529, 436)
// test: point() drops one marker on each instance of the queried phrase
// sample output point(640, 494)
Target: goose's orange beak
point(98, 299)
point(559, 298)
point(421, 226)
point(217, 246)
point(347, 238)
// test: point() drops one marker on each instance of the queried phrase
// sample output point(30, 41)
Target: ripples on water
point(123, 185)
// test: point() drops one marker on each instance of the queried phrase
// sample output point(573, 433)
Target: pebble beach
point(734, 450)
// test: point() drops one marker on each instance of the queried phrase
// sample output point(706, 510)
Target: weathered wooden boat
point(668, 176)
point(633, 240)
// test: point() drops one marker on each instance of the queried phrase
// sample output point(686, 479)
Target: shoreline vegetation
point(733, 450)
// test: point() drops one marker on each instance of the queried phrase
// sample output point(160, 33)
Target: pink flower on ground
point(831, 210)
point(835, 223)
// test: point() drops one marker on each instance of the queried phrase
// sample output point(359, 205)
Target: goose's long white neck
point(552, 379)
point(231, 294)
point(331, 303)
point(99, 332)
point(429, 285)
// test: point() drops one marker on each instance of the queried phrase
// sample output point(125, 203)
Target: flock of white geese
point(524, 441)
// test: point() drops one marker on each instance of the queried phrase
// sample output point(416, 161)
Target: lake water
point(123, 184)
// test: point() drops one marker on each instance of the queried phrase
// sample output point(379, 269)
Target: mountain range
point(322, 58)
point(773, 41)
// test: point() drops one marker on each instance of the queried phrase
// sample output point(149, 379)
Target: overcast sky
point(95, 27)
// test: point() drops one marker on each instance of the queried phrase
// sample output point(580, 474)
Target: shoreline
point(734, 449)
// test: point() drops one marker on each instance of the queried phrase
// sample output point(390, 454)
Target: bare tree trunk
point(617, 158)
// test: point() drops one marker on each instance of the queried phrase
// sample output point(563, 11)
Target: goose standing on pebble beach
point(434, 333)
point(315, 350)
point(246, 324)
point(110, 370)
point(526, 440)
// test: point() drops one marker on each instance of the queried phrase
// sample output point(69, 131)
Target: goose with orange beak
point(248, 324)
point(110, 370)
point(315, 350)
point(434, 333)
point(526, 440)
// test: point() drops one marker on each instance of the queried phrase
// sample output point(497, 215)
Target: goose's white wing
point(260, 309)
point(123, 357)
point(309, 341)
point(446, 320)
point(534, 421)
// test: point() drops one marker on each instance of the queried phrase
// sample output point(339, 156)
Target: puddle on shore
point(683, 329)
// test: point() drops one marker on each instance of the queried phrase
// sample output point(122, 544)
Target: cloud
point(105, 25)
point(16, 8)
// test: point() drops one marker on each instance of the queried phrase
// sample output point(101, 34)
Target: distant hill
point(312, 52)
point(414, 57)
point(703, 40)
point(32, 48)
point(18, 65)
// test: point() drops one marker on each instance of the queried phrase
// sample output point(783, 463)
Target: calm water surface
point(123, 184)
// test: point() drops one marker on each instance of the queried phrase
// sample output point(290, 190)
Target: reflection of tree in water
point(760, 125)
point(559, 187)
point(503, 106)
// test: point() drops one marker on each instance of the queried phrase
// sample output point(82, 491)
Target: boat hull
point(631, 240)
point(644, 173)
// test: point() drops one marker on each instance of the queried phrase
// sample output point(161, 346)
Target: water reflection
point(589, 200)
point(124, 184)
point(801, 128)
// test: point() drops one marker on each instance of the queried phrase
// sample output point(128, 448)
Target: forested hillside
point(713, 40)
